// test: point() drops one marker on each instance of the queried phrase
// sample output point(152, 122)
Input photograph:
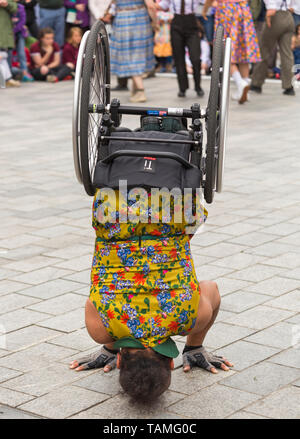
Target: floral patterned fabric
point(236, 18)
point(143, 281)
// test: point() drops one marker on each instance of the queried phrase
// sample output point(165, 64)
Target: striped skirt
point(131, 43)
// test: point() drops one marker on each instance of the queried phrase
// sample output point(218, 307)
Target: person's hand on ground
point(103, 358)
point(201, 358)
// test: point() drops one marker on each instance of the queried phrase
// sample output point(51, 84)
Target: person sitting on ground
point(144, 290)
point(45, 58)
point(71, 48)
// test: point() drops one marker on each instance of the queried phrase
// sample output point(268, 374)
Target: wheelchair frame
point(94, 116)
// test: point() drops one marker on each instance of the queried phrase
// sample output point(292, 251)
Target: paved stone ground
point(250, 245)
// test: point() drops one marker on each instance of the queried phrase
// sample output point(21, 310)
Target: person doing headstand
point(144, 290)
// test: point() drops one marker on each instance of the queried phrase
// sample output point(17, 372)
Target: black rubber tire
point(97, 69)
point(212, 121)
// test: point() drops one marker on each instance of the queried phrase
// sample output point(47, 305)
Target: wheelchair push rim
point(224, 114)
point(95, 90)
point(76, 106)
point(216, 116)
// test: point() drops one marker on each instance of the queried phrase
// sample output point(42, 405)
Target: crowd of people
point(39, 40)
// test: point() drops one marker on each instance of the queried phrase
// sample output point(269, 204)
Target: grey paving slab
point(60, 305)
point(8, 286)
point(280, 335)
point(288, 260)
point(222, 334)
point(107, 383)
point(263, 379)
point(78, 263)
point(79, 340)
point(29, 336)
point(34, 263)
point(59, 404)
point(293, 274)
point(244, 354)
point(213, 402)
point(242, 414)
point(211, 272)
point(42, 275)
point(257, 273)
point(7, 374)
point(12, 413)
point(242, 300)
point(120, 407)
point(83, 277)
point(191, 382)
point(11, 302)
point(12, 398)
point(274, 286)
point(40, 381)
point(283, 404)
point(227, 286)
point(289, 357)
point(20, 319)
point(67, 322)
point(239, 261)
point(259, 317)
point(289, 301)
point(52, 288)
point(36, 357)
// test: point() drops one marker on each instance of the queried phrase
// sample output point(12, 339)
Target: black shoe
point(181, 94)
point(120, 88)
point(200, 92)
point(289, 91)
point(255, 88)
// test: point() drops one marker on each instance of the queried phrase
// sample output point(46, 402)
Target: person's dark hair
point(297, 29)
point(144, 375)
point(44, 31)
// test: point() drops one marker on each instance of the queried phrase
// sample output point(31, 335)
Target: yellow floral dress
point(143, 280)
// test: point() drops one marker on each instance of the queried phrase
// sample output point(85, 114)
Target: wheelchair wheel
point(213, 116)
point(224, 113)
point(95, 90)
point(76, 106)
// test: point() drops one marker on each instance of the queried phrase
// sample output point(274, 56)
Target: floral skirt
point(236, 18)
point(145, 289)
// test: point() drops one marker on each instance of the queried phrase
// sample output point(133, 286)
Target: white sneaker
point(243, 89)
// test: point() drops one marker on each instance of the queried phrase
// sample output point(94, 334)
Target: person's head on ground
point(46, 36)
point(74, 36)
point(144, 374)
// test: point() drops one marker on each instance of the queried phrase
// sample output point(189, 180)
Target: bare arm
point(206, 7)
point(56, 61)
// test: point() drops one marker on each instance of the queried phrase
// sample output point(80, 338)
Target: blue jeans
point(20, 46)
point(296, 19)
point(208, 26)
point(54, 18)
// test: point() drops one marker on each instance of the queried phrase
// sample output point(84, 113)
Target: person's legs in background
point(193, 44)
point(178, 49)
point(59, 26)
point(138, 92)
point(296, 18)
point(20, 46)
point(286, 55)
point(260, 70)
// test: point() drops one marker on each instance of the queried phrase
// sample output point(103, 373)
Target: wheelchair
point(104, 152)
